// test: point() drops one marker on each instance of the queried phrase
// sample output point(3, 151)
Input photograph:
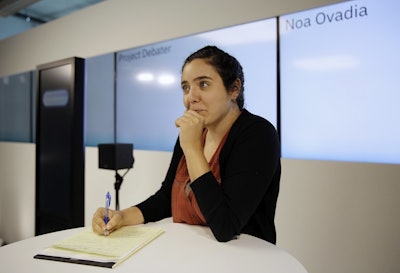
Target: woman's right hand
point(118, 218)
point(100, 227)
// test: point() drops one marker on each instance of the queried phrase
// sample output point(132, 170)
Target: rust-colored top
point(184, 205)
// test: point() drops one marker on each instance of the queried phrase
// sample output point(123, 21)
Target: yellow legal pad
point(89, 248)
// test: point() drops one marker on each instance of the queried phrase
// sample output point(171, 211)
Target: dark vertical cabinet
point(60, 146)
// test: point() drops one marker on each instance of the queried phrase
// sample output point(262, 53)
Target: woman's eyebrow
point(203, 78)
point(199, 78)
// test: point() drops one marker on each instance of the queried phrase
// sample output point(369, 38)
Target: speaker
point(115, 156)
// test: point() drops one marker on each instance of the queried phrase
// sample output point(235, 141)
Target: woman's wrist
point(132, 216)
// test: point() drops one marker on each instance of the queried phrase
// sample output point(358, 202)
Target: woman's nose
point(193, 96)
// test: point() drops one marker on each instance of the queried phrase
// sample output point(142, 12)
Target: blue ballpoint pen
point(106, 218)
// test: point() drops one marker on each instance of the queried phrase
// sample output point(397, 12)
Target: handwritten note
point(117, 244)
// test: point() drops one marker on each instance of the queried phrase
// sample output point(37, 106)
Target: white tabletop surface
point(181, 248)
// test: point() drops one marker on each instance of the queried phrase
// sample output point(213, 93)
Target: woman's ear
point(235, 88)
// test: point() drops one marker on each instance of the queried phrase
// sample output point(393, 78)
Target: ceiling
point(17, 16)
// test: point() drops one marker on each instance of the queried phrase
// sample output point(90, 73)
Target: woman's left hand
point(191, 125)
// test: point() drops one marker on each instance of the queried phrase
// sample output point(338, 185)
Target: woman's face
point(205, 93)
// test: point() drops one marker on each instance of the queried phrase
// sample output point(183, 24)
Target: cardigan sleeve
point(249, 162)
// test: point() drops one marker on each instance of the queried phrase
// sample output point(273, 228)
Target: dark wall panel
point(60, 146)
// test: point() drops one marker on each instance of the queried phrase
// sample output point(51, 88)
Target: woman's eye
point(185, 88)
point(203, 84)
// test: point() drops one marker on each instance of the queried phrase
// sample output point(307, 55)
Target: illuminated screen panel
point(99, 109)
point(15, 107)
point(340, 85)
point(149, 96)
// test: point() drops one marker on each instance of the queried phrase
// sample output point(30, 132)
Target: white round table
point(181, 248)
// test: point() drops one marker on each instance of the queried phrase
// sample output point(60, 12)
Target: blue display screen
point(340, 85)
point(149, 96)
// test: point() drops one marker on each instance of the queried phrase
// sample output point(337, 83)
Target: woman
point(225, 168)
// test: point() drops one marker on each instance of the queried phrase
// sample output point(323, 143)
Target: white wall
point(17, 191)
point(332, 216)
point(340, 217)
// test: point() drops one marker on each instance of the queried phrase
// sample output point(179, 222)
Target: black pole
point(118, 182)
point(117, 186)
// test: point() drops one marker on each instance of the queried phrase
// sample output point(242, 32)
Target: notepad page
point(118, 244)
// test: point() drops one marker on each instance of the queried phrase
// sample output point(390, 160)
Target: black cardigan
point(245, 201)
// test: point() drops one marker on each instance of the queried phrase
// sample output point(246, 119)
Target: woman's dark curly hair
point(226, 65)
